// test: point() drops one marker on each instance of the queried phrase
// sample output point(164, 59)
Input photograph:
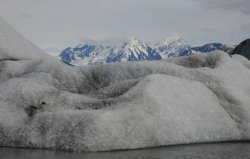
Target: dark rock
point(43, 103)
point(243, 49)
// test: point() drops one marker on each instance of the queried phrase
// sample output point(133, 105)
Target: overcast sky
point(60, 23)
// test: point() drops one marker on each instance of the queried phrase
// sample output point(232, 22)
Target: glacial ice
point(45, 103)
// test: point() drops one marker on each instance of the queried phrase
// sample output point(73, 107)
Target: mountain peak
point(80, 45)
point(133, 40)
point(174, 38)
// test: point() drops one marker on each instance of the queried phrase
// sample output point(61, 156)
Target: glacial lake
point(234, 150)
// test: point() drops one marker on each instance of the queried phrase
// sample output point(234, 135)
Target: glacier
point(45, 103)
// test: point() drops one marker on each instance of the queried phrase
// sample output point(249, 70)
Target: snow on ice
point(45, 103)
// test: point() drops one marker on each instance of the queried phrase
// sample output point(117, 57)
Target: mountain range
point(134, 50)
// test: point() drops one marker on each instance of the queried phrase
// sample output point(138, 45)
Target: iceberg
point(45, 103)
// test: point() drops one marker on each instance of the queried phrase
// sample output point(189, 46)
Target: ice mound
point(13, 46)
point(47, 104)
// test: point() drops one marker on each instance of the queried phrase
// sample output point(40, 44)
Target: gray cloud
point(209, 30)
point(245, 27)
point(109, 41)
point(54, 51)
point(25, 15)
point(242, 6)
point(61, 23)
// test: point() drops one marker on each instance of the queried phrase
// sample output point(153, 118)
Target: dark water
point(235, 150)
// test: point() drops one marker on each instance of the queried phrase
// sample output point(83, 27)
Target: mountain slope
point(172, 47)
point(85, 54)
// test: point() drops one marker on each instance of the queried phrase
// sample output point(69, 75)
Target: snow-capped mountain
point(85, 54)
point(133, 50)
point(172, 47)
point(203, 49)
point(207, 48)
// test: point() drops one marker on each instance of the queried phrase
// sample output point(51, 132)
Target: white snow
point(47, 104)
